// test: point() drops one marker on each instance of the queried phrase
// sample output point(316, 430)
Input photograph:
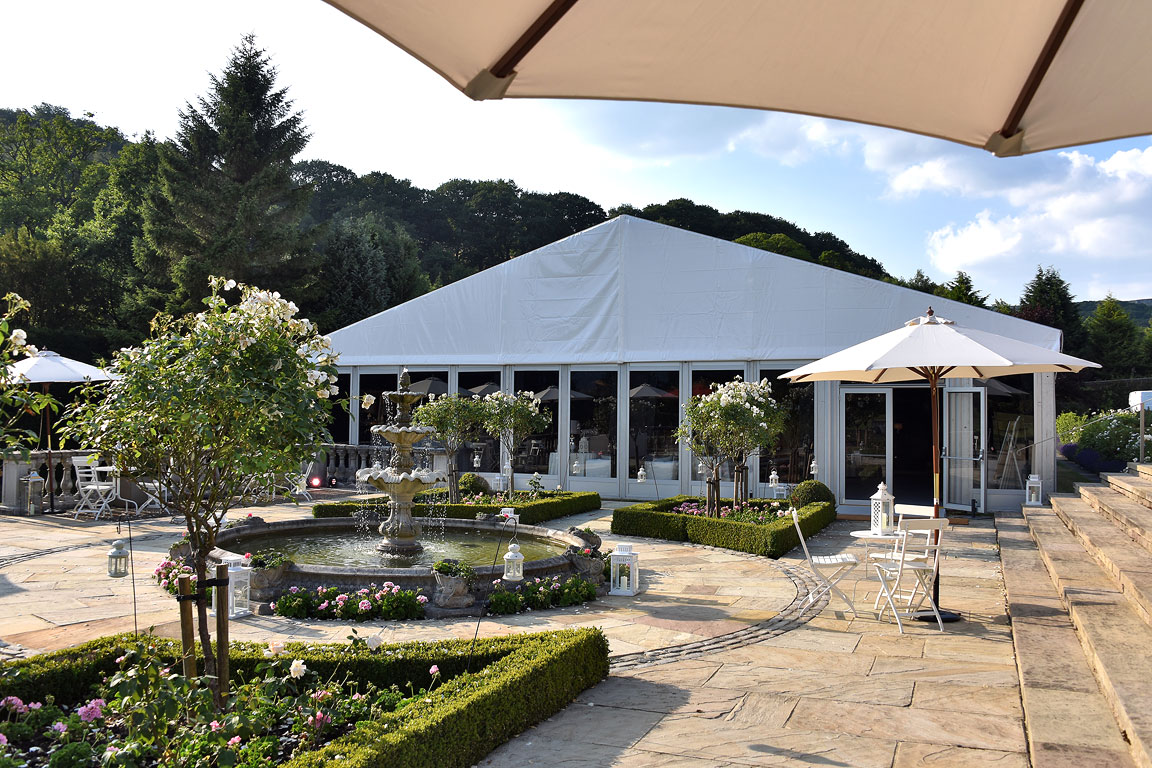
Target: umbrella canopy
point(552, 392)
point(1010, 77)
point(647, 390)
point(430, 387)
point(484, 389)
point(52, 368)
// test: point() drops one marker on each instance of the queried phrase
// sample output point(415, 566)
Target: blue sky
point(908, 201)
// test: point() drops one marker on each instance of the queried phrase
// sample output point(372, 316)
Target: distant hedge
point(525, 679)
point(553, 505)
point(653, 520)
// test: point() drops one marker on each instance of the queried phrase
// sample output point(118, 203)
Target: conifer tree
point(227, 203)
point(1114, 340)
point(960, 288)
point(1047, 299)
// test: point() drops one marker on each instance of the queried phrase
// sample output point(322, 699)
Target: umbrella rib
point(533, 35)
point(1040, 68)
point(878, 375)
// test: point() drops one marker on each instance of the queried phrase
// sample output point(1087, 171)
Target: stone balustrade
point(13, 490)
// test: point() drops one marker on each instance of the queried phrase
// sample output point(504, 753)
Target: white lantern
point(773, 479)
point(35, 493)
point(883, 506)
point(813, 468)
point(624, 571)
point(239, 588)
point(641, 475)
point(118, 560)
point(513, 563)
point(476, 460)
point(576, 466)
point(1032, 492)
point(511, 515)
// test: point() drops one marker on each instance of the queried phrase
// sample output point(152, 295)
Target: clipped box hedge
point(654, 520)
point(554, 504)
point(518, 681)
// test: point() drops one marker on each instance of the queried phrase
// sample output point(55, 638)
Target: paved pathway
point(742, 681)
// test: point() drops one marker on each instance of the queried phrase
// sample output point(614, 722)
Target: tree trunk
point(210, 670)
point(453, 479)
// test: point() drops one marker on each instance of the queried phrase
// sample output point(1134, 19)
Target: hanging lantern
point(813, 468)
point(239, 588)
point(576, 466)
point(641, 475)
point(624, 571)
point(118, 560)
point(513, 563)
point(883, 506)
point(773, 479)
point(476, 459)
point(1032, 492)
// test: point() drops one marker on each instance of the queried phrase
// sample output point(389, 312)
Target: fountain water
point(401, 479)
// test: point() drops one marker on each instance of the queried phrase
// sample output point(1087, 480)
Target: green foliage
point(551, 505)
point(1047, 299)
point(473, 484)
point(1115, 341)
point(16, 398)
point(455, 568)
point(777, 243)
point(811, 492)
point(540, 594)
point(387, 602)
point(456, 420)
point(1068, 426)
point(512, 418)
point(1115, 436)
point(773, 539)
point(960, 288)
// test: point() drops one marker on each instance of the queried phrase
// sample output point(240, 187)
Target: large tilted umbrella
point(1012, 77)
point(46, 368)
point(932, 348)
point(551, 393)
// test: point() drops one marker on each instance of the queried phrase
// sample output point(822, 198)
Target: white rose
point(31, 350)
point(229, 285)
point(297, 669)
point(334, 389)
point(367, 401)
point(374, 642)
point(322, 394)
point(19, 337)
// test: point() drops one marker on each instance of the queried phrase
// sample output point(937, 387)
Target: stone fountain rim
point(228, 535)
point(377, 428)
point(428, 478)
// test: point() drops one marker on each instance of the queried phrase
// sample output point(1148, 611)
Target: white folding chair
point(909, 560)
point(93, 494)
point(837, 567)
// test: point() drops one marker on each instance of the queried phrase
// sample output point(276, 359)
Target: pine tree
point(1047, 299)
point(1114, 340)
point(227, 203)
point(960, 288)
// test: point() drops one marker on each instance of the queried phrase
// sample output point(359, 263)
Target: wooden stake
point(223, 608)
point(187, 630)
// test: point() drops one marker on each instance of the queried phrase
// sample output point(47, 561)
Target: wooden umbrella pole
point(933, 376)
point(51, 469)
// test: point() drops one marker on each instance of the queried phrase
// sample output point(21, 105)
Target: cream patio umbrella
point(1012, 78)
point(932, 348)
point(47, 368)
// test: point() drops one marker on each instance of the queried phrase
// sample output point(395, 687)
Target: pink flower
point(3, 740)
point(93, 710)
point(34, 705)
point(421, 599)
point(294, 590)
point(363, 592)
point(59, 727)
point(433, 670)
point(234, 741)
point(396, 590)
point(357, 696)
point(215, 725)
point(247, 555)
point(323, 605)
point(272, 606)
point(365, 606)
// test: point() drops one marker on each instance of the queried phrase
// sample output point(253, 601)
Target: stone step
point(1126, 562)
point(1136, 487)
point(1145, 469)
point(1132, 516)
point(1115, 638)
point(1055, 679)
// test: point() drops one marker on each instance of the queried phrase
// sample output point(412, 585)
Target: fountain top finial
point(405, 380)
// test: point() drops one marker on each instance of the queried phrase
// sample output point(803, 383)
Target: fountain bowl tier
point(268, 585)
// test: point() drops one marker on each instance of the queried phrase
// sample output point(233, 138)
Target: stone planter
point(451, 591)
point(588, 568)
point(591, 540)
point(266, 582)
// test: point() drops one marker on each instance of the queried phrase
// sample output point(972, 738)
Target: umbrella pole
point(933, 385)
point(51, 469)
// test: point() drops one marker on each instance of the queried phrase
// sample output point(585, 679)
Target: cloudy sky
point(908, 201)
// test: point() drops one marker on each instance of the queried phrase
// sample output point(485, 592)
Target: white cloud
point(953, 249)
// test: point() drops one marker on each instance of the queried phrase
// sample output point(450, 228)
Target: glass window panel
point(535, 451)
point(1011, 431)
point(865, 443)
point(702, 381)
point(653, 415)
point(593, 427)
point(795, 447)
point(375, 384)
point(485, 447)
point(339, 425)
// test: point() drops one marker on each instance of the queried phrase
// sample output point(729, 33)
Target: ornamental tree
point(456, 421)
point(15, 397)
point(512, 418)
point(207, 403)
point(732, 422)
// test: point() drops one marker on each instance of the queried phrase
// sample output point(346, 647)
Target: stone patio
point(713, 665)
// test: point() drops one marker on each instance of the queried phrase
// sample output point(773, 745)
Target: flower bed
point(386, 602)
point(547, 505)
point(539, 594)
point(754, 527)
point(411, 704)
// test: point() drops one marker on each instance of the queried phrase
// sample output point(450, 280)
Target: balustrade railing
point(16, 467)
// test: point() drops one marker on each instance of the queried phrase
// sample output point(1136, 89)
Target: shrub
point(771, 539)
point(1069, 450)
point(387, 602)
point(1089, 458)
point(454, 568)
point(472, 484)
point(1114, 435)
point(540, 594)
point(811, 492)
point(1068, 426)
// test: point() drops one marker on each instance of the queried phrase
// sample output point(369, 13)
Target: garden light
point(641, 475)
point(315, 482)
point(476, 460)
point(1032, 492)
point(513, 563)
point(774, 479)
point(813, 468)
point(118, 560)
point(883, 506)
point(624, 571)
point(332, 481)
point(238, 591)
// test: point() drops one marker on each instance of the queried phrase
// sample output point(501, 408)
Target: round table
point(867, 536)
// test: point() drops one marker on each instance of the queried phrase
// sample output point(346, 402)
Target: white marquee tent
point(631, 295)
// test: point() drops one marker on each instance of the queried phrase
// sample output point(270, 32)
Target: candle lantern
point(641, 475)
point(513, 563)
point(239, 589)
point(1033, 496)
point(118, 560)
point(624, 571)
point(883, 508)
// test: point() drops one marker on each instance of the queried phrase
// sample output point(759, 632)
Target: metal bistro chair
point(837, 567)
point(923, 566)
point(93, 494)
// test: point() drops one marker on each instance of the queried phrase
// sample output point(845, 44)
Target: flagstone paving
point(712, 666)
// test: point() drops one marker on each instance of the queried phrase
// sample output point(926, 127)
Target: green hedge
point(526, 679)
point(774, 539)
point(554, 504)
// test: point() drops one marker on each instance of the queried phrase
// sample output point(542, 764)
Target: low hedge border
point(555, 504)
point(652, 520)
point(521, 680)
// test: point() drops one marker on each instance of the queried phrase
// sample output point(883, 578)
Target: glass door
point(963, 468)
point(866, 421)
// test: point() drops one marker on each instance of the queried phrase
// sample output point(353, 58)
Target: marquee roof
point(633, 291)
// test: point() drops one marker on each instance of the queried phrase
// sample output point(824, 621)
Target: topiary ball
point(811, 492)
point(472, 484)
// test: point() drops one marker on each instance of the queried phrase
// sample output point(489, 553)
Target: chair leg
point(887, 589)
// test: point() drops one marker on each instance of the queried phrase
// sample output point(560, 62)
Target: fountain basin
point(350, 578)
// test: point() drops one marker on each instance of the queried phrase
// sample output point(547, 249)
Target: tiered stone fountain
point(401, 479)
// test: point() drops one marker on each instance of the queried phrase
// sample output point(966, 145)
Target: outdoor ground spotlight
point(315, 482)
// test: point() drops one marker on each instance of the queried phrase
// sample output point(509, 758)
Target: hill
point(1140, 310)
